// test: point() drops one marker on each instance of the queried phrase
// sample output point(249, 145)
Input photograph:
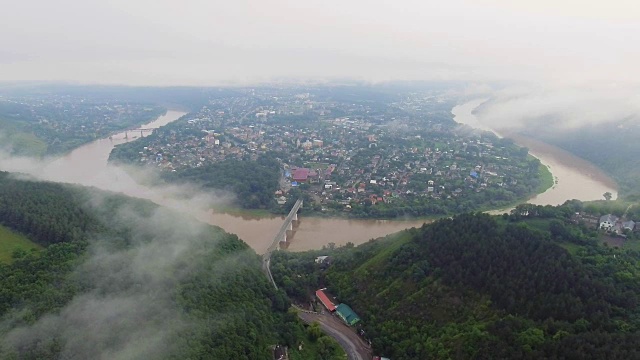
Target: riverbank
point(577, 177)
point(573, 177)
point(88, 166)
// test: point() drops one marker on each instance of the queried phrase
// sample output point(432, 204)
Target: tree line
point(475, 286)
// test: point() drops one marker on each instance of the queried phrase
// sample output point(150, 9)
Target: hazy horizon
point(198, 43)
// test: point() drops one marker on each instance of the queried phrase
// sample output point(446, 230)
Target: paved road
point(352, 344)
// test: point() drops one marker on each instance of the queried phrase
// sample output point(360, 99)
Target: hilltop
point(529, 285)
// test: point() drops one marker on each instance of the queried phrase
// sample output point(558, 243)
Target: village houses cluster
point(347, 152)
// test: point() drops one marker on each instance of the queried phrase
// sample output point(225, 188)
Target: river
point(87, 165)
point(575, 177)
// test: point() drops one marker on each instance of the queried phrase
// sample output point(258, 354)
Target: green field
point(28, 145)
point(21, 143)
point(11, 241)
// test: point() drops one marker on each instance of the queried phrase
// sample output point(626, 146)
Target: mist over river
point(575, 177)
point(87, 165)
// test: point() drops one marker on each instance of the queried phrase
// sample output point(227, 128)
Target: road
point(352, 344)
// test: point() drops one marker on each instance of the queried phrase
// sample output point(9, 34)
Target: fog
point(562, 63)
point(88, 166)
point(197, 42)
point(564, 108)
point(570, 62)
point(127, 308)
point(130, 310)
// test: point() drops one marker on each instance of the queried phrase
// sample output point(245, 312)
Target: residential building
point(628, 225)
point(347, 314)
point(608, 221)
point(324, 299)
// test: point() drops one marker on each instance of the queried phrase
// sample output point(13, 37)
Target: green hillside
point(120, 278)
point(481, 287)
point(11, 242)
point(18, 141)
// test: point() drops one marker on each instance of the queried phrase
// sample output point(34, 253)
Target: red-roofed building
point(300, 174)
point(324, 299)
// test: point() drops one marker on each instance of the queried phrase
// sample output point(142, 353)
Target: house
point(323, 259)
point(282, 200)
point(324, 299)
point(628, 225)
point(347, 314)
point(608, 221)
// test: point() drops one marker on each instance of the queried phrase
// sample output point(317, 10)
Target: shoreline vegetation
point(547, 182)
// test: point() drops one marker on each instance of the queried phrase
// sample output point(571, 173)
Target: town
point(405, 156)
point(54, 123)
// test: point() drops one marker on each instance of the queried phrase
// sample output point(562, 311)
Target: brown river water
point(575, 177)
point(87, 165)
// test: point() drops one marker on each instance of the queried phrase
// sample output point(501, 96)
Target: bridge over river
point(281, 236)
point(142, 131)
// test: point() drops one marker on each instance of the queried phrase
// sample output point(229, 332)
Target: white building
point(608, 221)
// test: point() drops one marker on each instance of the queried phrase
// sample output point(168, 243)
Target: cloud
point(560, 107)
point(198, 42)
point(129, 310)
point(131, 181)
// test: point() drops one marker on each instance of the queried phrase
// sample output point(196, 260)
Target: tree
point(607, 196)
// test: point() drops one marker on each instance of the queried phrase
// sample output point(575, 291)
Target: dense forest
point(253, 182)
point(529, 285)
point(120, 278)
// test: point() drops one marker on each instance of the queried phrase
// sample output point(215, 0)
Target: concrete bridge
point(126, 132)
point(280, 237)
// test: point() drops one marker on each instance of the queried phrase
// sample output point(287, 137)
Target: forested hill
point(123, 279)
point(481, 287)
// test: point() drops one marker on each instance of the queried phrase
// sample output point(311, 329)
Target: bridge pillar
point(284, 237)
point(295, 217)
point(290, 226)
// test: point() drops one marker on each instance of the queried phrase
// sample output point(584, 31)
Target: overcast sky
point(208, 42)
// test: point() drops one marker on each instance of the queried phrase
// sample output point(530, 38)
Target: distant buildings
point(419, 161)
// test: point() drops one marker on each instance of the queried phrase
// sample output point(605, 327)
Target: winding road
point(352, 344)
